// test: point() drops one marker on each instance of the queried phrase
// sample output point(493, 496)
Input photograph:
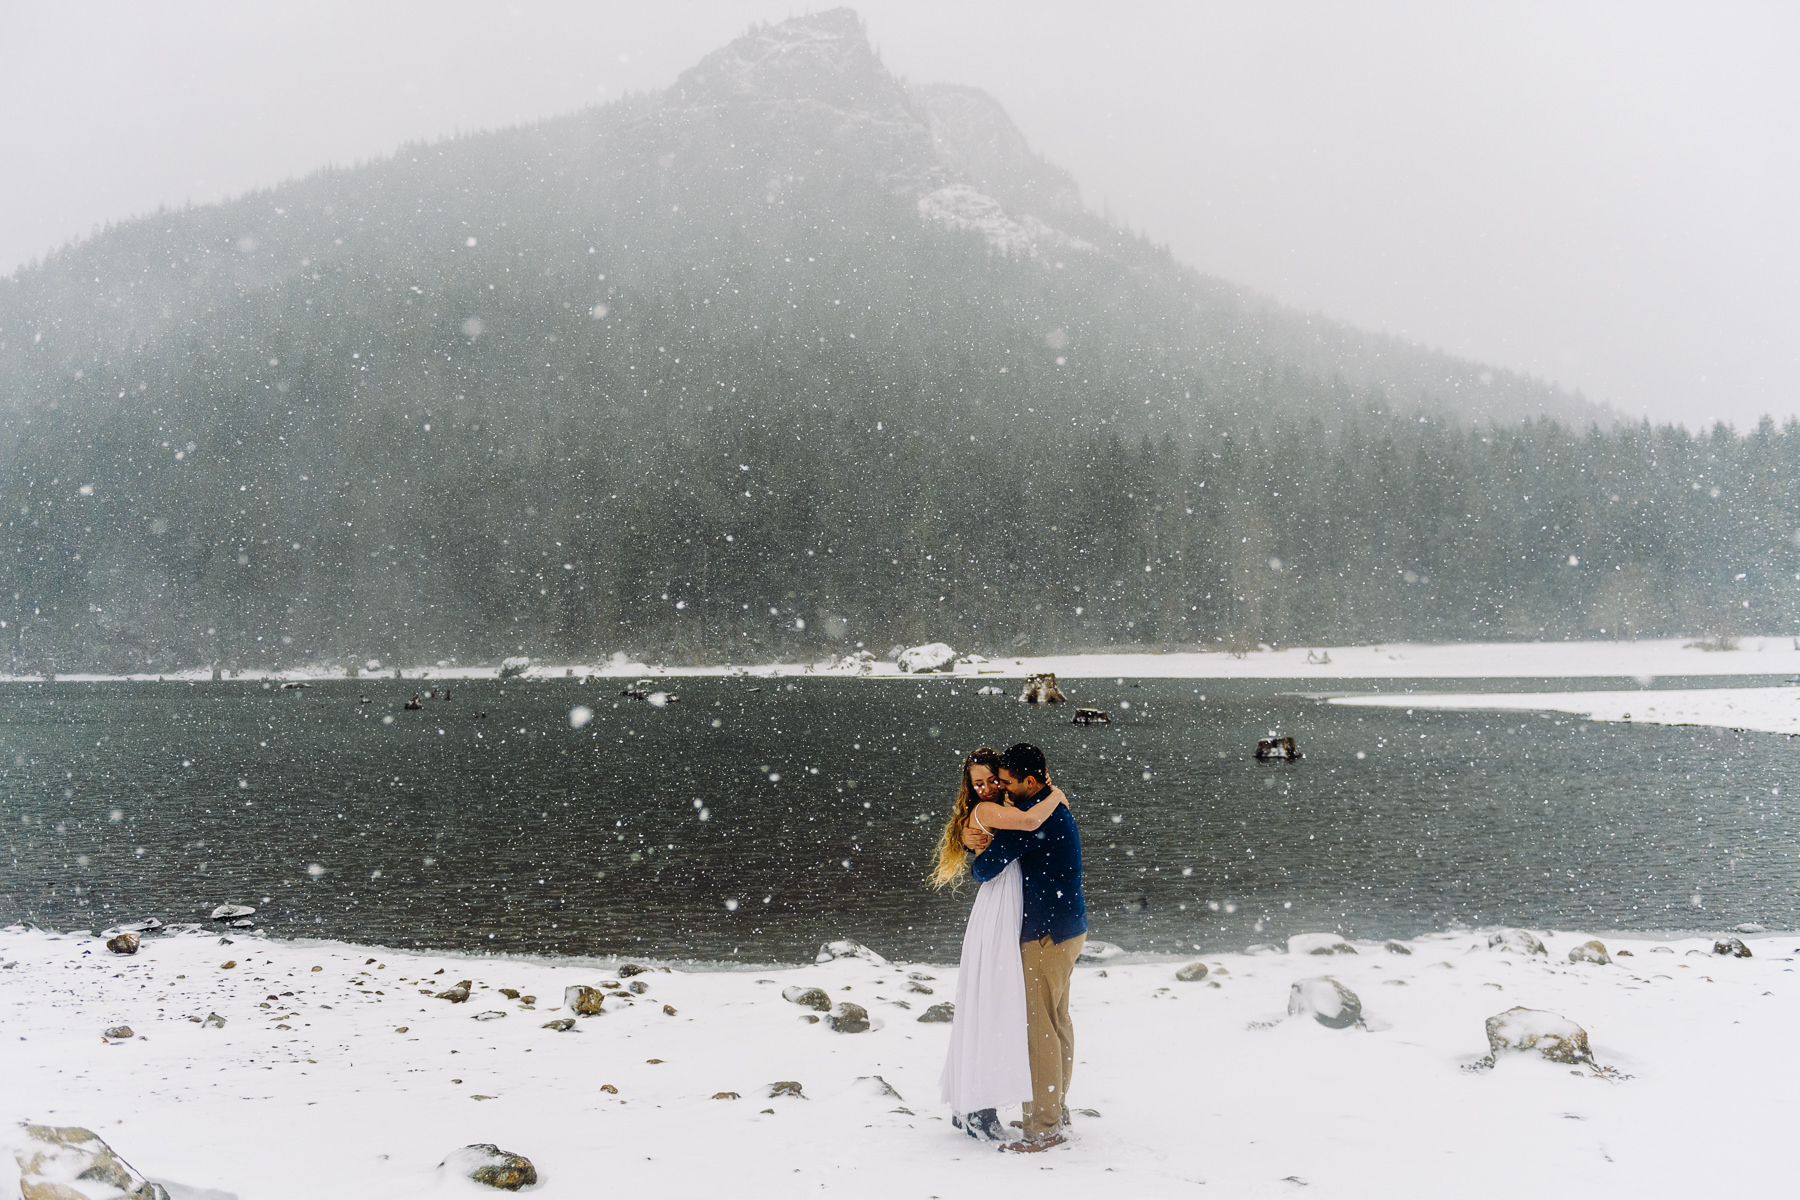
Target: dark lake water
point(822, 799)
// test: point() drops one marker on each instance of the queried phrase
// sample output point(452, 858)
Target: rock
point(1097, 951)
point(1393, 947)
point(786, 1087)
point(1262, 948)
point(528, 1001)
point(486, 1163)
point(668, 1010)
point(1091, 716)
point(848, 949)
point(627, 970)
point(1750, 927)
point(118, 1033)
point(492, 1014)
point(938, 1014)
point(609, 1089)
point(726, 1096)
point(213, 1021)
point(807, 997)
point(1732, 948)
point(1192, 973)
point(1276, 749)
point(231, 912)
point(1517, 941)
point(846, 1017)
point(458, 994)
point(918, 988)
point(639, 987)
point(1326, 1001)
point(125, 943)
point(1590, 952)
point(1319, 943)
point(228, 964)
point(510, 993)
point(151, 925)
point(561, 1025)
point(1662, 949)
point(583, 1000)
point(516, 665)
point(933, 656)
point(990, 690)
point(246, 923)
point(1042, 689)
point(876, 1085)
point(71, 1163)
point(1522, 1030)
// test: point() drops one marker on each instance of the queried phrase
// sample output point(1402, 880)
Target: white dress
point(987, 1066)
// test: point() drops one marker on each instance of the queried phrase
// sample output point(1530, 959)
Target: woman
point(987, 1065)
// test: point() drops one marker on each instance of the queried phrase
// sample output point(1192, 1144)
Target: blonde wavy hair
point(951, 864)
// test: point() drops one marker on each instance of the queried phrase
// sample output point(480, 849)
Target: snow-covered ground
point(1773, 655)
point(337, 1073)
point(1764, 709)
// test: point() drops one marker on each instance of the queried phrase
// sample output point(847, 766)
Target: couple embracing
point(1012, 1041)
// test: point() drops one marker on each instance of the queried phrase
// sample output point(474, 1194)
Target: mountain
point(790, 356)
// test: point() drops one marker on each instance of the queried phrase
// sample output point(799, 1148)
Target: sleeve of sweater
point(1007, 845)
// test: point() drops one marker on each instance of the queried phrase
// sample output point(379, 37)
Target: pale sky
point(1600, 194)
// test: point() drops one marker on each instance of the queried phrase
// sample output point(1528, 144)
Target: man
point(1051, 935)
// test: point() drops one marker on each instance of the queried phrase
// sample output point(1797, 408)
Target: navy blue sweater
point(1050, 859)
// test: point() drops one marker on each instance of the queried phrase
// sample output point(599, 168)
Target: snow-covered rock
point(1592, 951)
point(846, 1017)
point(1319, 943)
point(1095, 950)
point(233, 912)
point(516, 665)
point(1732, 947)
point(933, 656)
point(807, 997)
point(1326, 1001)
point(1533, 1030)
point(843, 948)
point(1192, 973)
point(71, 1163)
point(1516, 941)
point(962, 207)
point(486, 1163)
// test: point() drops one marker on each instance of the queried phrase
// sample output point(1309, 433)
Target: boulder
point(627, 970)
point(118, 1033)
point(486, 1163)
point(1517, 941)
point(583, 1000)
point(458, 994)
point(1095, 950)
point(1731, 947)
point(514, 666)
point(1319, 943)
point(807, 997)
point(1533, 1030)
point(938, 1014)
point(71, 1163)
point(1393, 947)
point(846, 1017)
point(1750, 927)
point(785, 1087)
point(232, 912)
point(875, 1085)
point(1590, 952)
point(125, 943)
point(933, 656)
point(1326, 1001)
point(1192, 973)
point(213, 1021)
point(848, 949)
point(561, 1025)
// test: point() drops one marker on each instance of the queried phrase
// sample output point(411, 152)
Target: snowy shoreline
point(338, 1072)
point(1771, 655)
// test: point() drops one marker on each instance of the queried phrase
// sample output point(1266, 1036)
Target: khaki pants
point(1050, 1033)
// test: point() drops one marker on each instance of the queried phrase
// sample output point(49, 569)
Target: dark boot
point(984, 1126)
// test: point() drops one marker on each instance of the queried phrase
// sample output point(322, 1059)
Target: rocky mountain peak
point(821, 58)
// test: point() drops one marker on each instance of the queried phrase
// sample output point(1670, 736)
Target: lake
point(756, 818)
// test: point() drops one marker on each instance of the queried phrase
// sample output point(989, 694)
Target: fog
point(1598, 194)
